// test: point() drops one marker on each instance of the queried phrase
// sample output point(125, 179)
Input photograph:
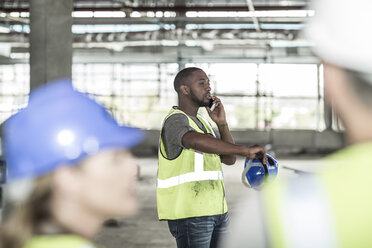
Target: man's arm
point(224, 131)
point(225, 147)
point(206, 143)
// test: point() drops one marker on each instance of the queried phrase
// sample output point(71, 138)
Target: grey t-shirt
point(174, 128)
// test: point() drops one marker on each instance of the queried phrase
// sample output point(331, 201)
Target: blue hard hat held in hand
point(60, 126)
point(256, 175)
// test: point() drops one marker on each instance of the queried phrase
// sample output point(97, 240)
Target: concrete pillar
point(50, 40)
point(180, 61)
point(328, 114)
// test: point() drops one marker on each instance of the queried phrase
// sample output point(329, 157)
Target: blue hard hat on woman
point(60, 126)
point(68, 164)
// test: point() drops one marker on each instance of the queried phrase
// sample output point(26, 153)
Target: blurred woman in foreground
point(69, 162)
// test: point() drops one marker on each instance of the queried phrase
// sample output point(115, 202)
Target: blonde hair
point(25, 220)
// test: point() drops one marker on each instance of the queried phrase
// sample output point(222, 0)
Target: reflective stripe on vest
point(208, 124)
point(198, 175)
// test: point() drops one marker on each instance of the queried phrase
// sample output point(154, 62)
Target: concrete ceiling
point(172, 30)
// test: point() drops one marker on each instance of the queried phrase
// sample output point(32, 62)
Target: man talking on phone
point(190, 186)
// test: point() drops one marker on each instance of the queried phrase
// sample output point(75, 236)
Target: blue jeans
point(199, 232)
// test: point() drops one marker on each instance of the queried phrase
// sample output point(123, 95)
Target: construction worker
point(74, 163)
point(332, 209)
point(190, 187)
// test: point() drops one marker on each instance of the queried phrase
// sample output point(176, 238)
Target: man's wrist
point(243, 151)
point(223, 124)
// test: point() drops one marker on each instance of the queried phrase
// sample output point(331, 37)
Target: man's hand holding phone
point(211, 105)
point(216, 110)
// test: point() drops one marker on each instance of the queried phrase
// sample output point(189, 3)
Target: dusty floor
point(144, 230)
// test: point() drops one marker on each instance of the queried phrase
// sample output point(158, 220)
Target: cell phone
point(211, 105)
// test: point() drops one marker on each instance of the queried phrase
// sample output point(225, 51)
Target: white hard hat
point(342, 33)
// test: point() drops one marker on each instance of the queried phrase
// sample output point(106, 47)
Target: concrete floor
point(144, 230)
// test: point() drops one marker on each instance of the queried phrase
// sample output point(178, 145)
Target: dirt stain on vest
point(198, 187)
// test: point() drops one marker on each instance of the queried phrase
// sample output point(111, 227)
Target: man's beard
point(200, 103)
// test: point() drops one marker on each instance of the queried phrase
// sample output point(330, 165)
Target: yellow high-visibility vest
point(329, 210)
point(59, 241)
point(192, 184)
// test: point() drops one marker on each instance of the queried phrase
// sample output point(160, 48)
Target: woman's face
point(108, 182)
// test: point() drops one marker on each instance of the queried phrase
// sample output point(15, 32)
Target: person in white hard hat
point(332, 209)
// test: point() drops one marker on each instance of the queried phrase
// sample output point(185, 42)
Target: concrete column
point(328, 115)
point(50, 40)
point(180, 61)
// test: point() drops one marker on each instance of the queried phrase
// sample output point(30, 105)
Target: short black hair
point(182, 76)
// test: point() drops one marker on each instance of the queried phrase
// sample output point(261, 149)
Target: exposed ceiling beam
point(172, 20)
point(254, 18)
point(188, 20)
point(8, 17)
point(197, 34)
point(176, 8)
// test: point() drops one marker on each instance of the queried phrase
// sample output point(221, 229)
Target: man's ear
point(184, 89)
